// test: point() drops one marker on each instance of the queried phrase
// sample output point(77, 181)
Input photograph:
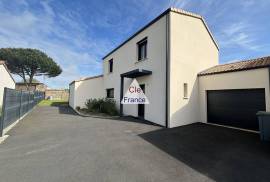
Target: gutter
point(167, 96)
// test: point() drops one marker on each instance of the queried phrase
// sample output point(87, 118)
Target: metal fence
point(16, 104)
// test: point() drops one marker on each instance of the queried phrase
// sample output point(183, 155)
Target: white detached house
point(168, 57)
point(6, 80)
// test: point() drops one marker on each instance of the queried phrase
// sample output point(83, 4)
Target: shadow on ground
point(57, 104)
point(133, 120)
point(219, 153)
point(65, 109)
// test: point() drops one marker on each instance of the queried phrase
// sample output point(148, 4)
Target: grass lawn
point(53, 103)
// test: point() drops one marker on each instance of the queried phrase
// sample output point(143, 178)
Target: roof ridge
point(179, 10)
point(254, 63)
point(247, 60)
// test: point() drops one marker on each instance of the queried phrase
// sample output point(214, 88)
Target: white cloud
point(238, 34)
point(58, 34)
point(179, 3)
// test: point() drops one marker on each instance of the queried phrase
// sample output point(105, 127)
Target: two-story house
point(170, 58)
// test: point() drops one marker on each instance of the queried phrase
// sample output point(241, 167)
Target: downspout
point(167, 69)
point(121, 94)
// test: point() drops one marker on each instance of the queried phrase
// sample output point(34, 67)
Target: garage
point(236, 107)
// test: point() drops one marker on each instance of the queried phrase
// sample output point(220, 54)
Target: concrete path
point(53, 144)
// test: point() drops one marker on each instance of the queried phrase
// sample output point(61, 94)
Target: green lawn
point(53, 103)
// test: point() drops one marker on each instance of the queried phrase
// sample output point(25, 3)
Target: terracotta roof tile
point(238, 66)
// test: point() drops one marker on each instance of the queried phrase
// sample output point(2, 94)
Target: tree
point(28, 63)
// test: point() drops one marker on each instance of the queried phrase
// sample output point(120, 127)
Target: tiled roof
point(86, 78)
point(238, 66)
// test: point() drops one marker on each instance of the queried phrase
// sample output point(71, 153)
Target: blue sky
point(77, 34)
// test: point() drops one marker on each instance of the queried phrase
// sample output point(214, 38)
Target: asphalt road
point(53, 144)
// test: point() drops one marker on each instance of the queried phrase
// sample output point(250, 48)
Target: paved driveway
point(54, 144)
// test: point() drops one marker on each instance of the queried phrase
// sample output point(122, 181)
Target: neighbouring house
point(6, 80)
point(57, 94)
point(31, 86)
point(175, 60)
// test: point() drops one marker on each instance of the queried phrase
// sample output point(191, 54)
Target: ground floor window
point(110, 93)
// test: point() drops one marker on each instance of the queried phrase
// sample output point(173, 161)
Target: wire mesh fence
point(16, 104)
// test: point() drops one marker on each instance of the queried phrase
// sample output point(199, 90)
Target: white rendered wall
point(88, 89)
point(72, 95)
point(125, 59)
point(191, 51)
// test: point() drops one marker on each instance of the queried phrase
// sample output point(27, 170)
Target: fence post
point(28, 105)
point(3, 112)
point(20, 113)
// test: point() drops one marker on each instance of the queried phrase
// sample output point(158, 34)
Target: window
point(111, 66)
point(142, 49)
point(110, 93)
point(185, 90)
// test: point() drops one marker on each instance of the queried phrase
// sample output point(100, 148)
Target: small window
point(142, 49)
point(185, 90)
point(110, 93)
point(111, 66)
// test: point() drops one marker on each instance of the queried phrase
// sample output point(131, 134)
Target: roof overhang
point(136, 73)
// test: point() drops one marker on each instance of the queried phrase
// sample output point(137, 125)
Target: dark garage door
point(235, 108)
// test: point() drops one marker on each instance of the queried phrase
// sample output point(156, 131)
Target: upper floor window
point(110, 93)
point(111, 66)
point(142, 49)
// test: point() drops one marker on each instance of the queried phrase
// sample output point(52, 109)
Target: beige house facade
point(168, 57)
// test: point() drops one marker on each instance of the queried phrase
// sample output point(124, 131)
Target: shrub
point(78, 108)
point(107, 106)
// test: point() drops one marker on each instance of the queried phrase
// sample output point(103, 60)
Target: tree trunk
point(31, 76)
point(24, 79)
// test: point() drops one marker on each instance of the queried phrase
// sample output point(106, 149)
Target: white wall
point(87, 89)
point(191, 51)
point(5, 81)
point(257, 78)
point(72, 95)
point(125, 59)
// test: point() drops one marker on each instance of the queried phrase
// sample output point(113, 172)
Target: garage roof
point(238, 66)
point(86, 78)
